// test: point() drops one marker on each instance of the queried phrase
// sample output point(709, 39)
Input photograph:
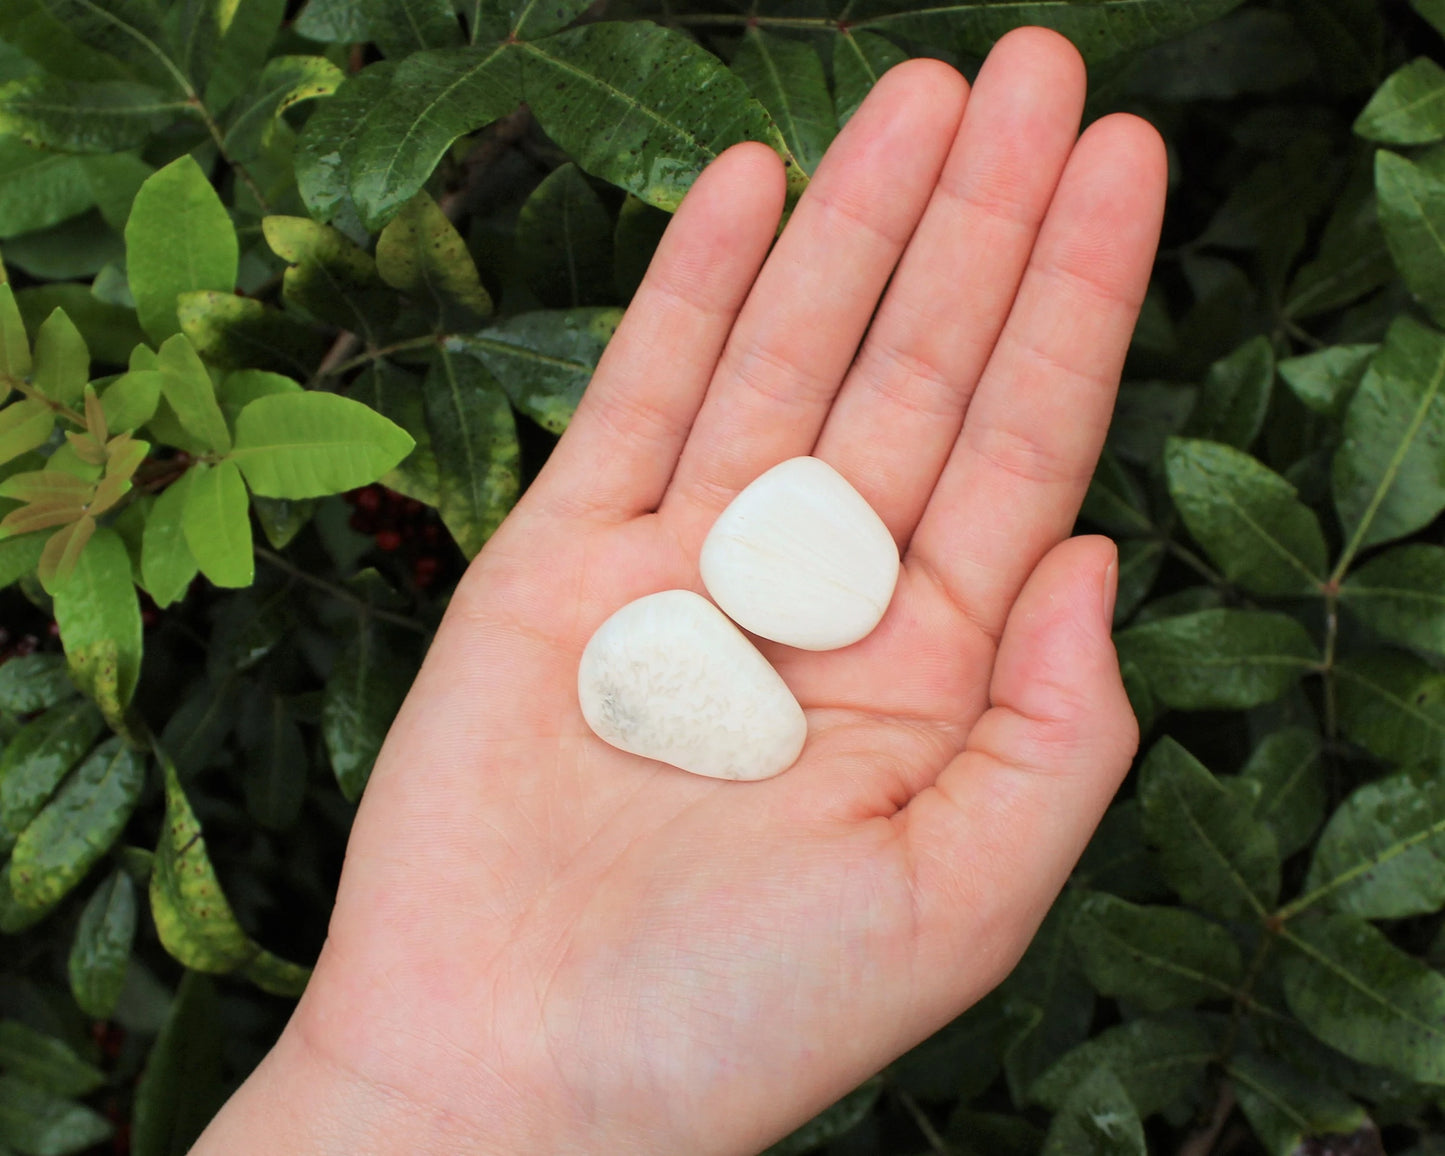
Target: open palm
point(544, 944)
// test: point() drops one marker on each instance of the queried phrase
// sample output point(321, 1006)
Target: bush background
point(247, 212)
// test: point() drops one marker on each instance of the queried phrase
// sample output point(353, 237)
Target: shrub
point(296, 302)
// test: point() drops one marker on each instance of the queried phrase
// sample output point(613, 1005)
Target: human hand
point(542, 944)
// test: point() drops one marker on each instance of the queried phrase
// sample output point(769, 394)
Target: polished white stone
point(669, 678)
point(801, 558)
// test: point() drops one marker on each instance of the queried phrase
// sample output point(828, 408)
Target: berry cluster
point(404, 526)
point(19, 648)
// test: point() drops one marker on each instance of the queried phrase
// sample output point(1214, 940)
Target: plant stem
point(1327, 667)
point(361, 604)
point(33, 394)
point(1196, 563)
point(193, 98)
point(386, 351)
point(936, 1142)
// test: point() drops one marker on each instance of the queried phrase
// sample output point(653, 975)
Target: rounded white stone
point(801, 558)
point(669, 678)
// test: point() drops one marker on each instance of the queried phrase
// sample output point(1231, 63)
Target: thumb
point(996, 836)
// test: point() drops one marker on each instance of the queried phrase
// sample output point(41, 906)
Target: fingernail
point(1111, 591)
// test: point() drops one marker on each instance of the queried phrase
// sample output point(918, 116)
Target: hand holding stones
point(798, 557)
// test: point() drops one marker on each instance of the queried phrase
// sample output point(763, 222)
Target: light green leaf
point(100, 953)
point(1160, 1063)
point(1157, 957)
point(1393, 705)
point(544, 360)
point(39, 188)
point(564, 241)
point(34, 682)
point(1292, 792)
point(1247, 518)
point(1361, 994)
point(99, 619)
point(422, 254)
point(1326, 380)
point(1388, 475)
point(363, 694)
point(1409, 107)
point(62, 362)
point(19, 557)
point(1216, 853)
point(37, 758)
point(1235, 396)
point(131, 400)
point(327, 153)
point(73, 116)
point(643, 107)
point(77, 826)
point(179, 239)
point(330, 276)
point(859, 60)
point(14, 343)
point(180, 1089)
point(1287, 1109)
point(1379, 856)
point(1097, 1118)
point(216, 522)
point(474, 442)
point(242, 333)
point(1400, 594)
point(307, 445)
point(167, 564)
point(1412, 215)
point(1220, 659)
point(24, 426)
point(786, 78)
point(285, 81)
point(36, 1123)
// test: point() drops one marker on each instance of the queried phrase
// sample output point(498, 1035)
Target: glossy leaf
point(1235, 396)
point(1409, 108)
point(179, 239)
point(131, 399)
point(564, 241)
point(1248, 518)
point(35, 1122)
point(786, 78)
point(84, 116)
point(1361, 994)
point(1292, 792)
point(1326, 380)
point(422, 254)
point(38, 758)
point(191, 394)
point(1157, 957)
point(1160, 1063)
point(1412, 203)
point(100, 625)
point(859, 60)
point(363, 694)
point(307, 445)
point(1388, 474)
point(100, 952)
point(1097, 1118)
point(1220, 659)
point(1393, 705)
point(285, 81)
point(167, 564)
point(180, 1087)
point(1400, 594)
point(326, 157)
point(216, 523)
point(544, 360)
point(643, 107)
point(1287, 1109)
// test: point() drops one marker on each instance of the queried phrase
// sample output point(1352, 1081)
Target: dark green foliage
point(290, 312)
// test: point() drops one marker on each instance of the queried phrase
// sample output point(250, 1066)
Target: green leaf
point(1160, 1063)
point(216, 522)
point(1216, 853)
point(544, 360)
point(1220, 659)
point(77, 826)
point(832, 1122)
point(167, 564)
point(111, 331)
point(635, 240)
point(19, 557)
point(1247, 51)
point(1389, 476)
point(39, 188)
point(402, 27)
point(24, 426)
point(1246, 517)
point(786, 78)
point(330, 277)
point(100, 953)
point(422, 254)
point(131, 400)
point(1401, 596)
point(62, 362)
point(113, 180)
point(38, 758)
point(1118, 860)
point(1359, 993)
point(100, 626)
point(71, 116)
point(14, 343)
point(474, 441)
point(1379, 856)
point(1409, 107)
point(327, 155)
point(1140, 561)
point(1286, 1109)
point(36, 1123)
point(1235, 396)
point(1326, 380)
point(335, 21)
point(307, 445)
point(285, 81)
point(179, 239)
point(1412, 215)
point(241, 388)
point(188, 388)
point(1433, 11)
point(1292, 792)
point(276, 765)
point(643, 107)
point(180, 1088)
point(34, 682)
point(240, 333)
point(1352, 258)
point(564, 241)
point(959, 1060)
point(1393, 705)
point(45, 1061)
point(48, 39)
point(245, 43)
point(859, 60)
point(1157, 957)
point(1097, 1118)
point(131, 30)
point(363, 694)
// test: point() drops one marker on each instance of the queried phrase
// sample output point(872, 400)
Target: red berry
point(27, 645)
point(369, 499)
point(413, 508)
point(149, 616)
point(424, 570)
point(53, 629)
point(388, 540)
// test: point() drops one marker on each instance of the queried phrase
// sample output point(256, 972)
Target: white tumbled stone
point(668, 677)
point(801, 558)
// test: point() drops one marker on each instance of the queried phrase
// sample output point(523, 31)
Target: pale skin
point(545, 945)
